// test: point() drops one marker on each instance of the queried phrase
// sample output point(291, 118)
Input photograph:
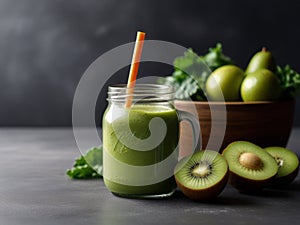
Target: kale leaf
point(215, 58)
point(191, 71)
point(88, 166)
point(289, 81)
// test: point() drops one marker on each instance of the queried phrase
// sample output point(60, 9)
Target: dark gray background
point(46, 45)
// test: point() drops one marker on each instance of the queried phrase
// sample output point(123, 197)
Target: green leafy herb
point(188, 77)
point(289, 81)
point(88, 166)
point(191, 71)
point(215, 58)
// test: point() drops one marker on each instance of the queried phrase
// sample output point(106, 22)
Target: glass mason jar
point(140, 140)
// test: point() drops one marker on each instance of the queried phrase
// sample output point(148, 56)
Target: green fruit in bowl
point(261, 85)
point(224, 83)
point(261, 60)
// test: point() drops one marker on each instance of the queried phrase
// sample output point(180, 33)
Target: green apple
point(224, 83)
point(261, 85)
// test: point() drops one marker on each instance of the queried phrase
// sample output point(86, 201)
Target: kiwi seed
point(201, 170)
point(279, 161)
point(250, 161)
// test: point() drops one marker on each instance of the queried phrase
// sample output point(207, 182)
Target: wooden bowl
point(267, 123)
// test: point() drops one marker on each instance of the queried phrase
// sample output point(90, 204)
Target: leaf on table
point(88, 166)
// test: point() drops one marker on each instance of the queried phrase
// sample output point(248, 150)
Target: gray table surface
point(34, 190)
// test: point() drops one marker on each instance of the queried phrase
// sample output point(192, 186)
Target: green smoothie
point(133, 164)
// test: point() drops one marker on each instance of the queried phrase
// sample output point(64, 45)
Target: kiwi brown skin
point(278, 153)
point(205, 194)
point(248, 186)
point(283, 181)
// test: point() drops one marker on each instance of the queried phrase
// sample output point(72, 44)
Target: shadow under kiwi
point(222, 199)
point(269, 193)
point(294, 186)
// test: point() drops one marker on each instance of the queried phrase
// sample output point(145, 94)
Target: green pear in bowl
point(224, 83)
point(261, 85)
point(261, 60)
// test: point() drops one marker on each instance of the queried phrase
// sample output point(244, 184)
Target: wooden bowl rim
point(237, 103)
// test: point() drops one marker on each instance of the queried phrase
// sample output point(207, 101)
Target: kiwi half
point(251, 167)
point(288, 165)
point(203, 175)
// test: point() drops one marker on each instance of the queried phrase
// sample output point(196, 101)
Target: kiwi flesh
point(203, 175)
point(251, 167)
point(288, 165)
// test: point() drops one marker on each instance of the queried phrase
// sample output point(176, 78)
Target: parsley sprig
point(88, 166)
point(191, 71)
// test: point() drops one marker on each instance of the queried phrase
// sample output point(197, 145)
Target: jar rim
point(141, 92)
point(142, 86)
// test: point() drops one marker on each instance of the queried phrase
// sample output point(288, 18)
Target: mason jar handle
point(194, 122)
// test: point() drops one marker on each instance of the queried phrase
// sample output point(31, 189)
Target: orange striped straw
point(134, 68)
